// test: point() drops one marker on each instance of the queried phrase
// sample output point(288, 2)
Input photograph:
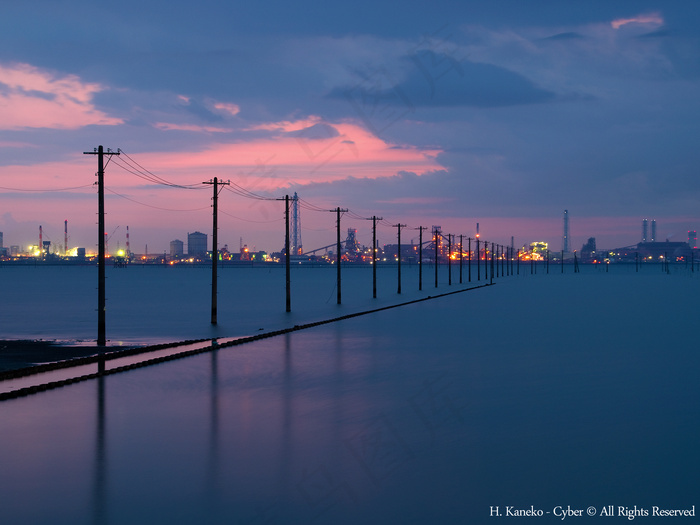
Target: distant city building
point(588, 251)
point(1, 244)
point(409, 252)
point(197, 244)
point(352, 247)
point(177, 249)
point(539, 250)
point(654, 251)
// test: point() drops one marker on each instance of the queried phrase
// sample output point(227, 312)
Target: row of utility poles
point(495, 255)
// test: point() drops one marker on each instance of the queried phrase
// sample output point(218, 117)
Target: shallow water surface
point(429, 413)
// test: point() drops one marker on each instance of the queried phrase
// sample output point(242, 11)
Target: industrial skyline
point(199, 246)
point(452, 114)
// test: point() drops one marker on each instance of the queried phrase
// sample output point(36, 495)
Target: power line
point(47, 190)
point(142, 172)
point(240, 190)
point(248, 220)
point(150, 205)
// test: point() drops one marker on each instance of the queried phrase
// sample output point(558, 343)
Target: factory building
point(177, 249)
point(197, 244)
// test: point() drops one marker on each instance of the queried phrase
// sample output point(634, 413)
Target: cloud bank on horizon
point(444, 115)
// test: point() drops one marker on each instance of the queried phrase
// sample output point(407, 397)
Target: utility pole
point(469, 257)
point(215, 244)
point(435, 238)
point(398, 227)
point(449, 259)
point(495, 254)
point(420, 257)
point(461, 253)
point(374, 220)
point(478, 260)
point(100, 152)
point(486, 260)
point(288, 255)
point(338, 210)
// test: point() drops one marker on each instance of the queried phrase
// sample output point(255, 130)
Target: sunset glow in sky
point(447, 114)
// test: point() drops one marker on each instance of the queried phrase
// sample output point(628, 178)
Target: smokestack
point(565, 243)
point(653, 230)
point(645, 226)
point(477, 230)
point(128, 250)
point(41, 240)
point(65, 237)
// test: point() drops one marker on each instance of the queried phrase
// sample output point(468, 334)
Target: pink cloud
point(651, 18)
point(38, 99)
point(231, 109)
point(273, 163)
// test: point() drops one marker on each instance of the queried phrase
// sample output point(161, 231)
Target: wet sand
point(24, 353)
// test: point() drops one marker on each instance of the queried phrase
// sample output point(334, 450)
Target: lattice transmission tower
point(296, 247)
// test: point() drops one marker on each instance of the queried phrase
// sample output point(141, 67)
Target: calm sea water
point(536, 392)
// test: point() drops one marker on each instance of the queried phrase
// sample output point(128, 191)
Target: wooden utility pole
point(469, 257)
point(449, 259)
point(101, 322)
point(288, 255)
point(461, 253)
point(337, 211)
point(478, 260)
point(398, 227)
point(420, 257)
point(374, 220)
point(215, 245)
point(435, 240)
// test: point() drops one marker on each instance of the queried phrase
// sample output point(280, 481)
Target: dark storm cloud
point(438, 80)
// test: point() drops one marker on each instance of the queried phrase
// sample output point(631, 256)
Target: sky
point(503, 113)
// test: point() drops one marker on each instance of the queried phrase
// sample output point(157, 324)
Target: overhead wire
point(149, 175)
point(243, 192)
point(150, 205)
point(249, 220)
point(49, 189)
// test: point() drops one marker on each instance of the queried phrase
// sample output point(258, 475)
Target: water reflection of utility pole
point(214, 460)
point(287, 418)
point(99, 495)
